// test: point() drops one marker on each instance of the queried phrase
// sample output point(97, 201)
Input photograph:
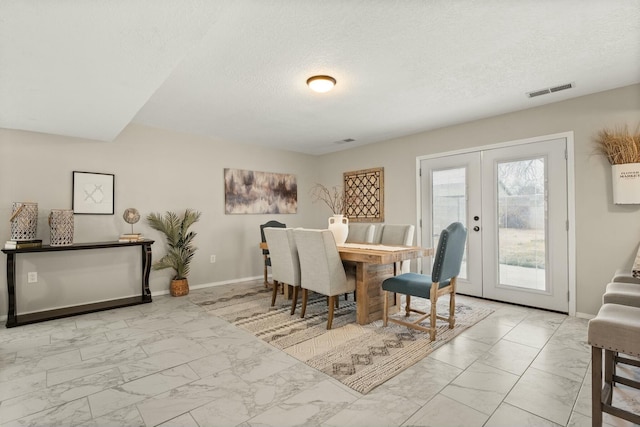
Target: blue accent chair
point(442, 281)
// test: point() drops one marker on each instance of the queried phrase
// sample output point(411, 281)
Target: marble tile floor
point(172, 363)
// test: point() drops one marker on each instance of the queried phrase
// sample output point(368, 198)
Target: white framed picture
point(93, 193)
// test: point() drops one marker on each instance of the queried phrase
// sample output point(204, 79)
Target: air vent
point(344, 141)
point(549, 90)
point(562, 87)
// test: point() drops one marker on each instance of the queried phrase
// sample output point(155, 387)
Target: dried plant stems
point(332, 197)
point(619, 145)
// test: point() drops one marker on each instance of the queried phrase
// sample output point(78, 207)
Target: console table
point(13, 319)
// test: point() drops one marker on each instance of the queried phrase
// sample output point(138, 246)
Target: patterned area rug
point(361, 357)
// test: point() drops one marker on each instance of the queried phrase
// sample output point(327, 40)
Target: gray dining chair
point(446, 267)
point(360, 233)
point(321, 268)
point(398, 234)
point(285, 265)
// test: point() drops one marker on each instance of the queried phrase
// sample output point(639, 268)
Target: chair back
point(269, 224)
point(285, 265)
point(360, 233)
point(320, 263)
point(397, 234)
point(448, 256)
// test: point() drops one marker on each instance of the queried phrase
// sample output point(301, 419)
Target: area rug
point(360, 356)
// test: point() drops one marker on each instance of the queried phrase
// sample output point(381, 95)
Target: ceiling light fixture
point(321, 83)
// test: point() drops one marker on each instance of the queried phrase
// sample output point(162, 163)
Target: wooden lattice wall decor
point(364, 195)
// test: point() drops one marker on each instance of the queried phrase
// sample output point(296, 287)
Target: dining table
point(372, 264)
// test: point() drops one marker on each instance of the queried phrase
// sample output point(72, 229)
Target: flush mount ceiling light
point(321, 83)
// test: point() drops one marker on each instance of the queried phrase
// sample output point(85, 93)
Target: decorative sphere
point(131, 215)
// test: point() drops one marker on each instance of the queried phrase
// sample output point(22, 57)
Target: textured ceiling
point(236, 70)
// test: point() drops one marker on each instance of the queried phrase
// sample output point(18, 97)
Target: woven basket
point(24, 221)
point(179, 287)
point(61, 225)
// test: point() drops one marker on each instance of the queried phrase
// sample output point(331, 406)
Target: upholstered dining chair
point(321, 268)
point(285, 266)
point(446, 267)
point(360, 233)
point(398, 234)
point(265, 252)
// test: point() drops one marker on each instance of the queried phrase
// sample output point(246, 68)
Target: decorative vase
point(61, 225)
point(24, 221)
point(179, 287)
point(339, 226)
point(626, 183)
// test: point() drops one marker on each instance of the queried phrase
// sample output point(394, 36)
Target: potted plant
point(335, 199)
point(180, 246)
point(622, 149)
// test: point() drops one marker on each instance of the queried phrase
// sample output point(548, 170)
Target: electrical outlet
point(32, 277)
point(212, 259)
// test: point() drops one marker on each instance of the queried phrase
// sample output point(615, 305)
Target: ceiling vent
point(344, 141)
point(550, 90)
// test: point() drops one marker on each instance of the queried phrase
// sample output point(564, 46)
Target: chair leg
point(274, 293)
point(596, 386)
point(294, 300)
point(385, 308)
point(407, 308)
point(452, 304)
point(434, 311)
point(305, 296)
point(266, 282)
point(332, 302)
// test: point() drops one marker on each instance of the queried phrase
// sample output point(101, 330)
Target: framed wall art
point(252, 192)
point(364, 195)
point(93, 193)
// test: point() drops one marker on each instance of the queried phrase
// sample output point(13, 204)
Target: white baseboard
point(585, 316)
point(3, 318)
point(212, 284)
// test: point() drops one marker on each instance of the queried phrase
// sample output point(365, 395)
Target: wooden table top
point(378, 254)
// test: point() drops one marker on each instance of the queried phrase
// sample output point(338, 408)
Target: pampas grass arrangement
point(619, 145)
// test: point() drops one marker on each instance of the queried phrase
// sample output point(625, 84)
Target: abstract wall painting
point(253, 192)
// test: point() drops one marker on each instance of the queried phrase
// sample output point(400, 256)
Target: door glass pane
point(522, 223)
point(449, 188)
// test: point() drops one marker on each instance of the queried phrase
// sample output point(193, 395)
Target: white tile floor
point(172, 363)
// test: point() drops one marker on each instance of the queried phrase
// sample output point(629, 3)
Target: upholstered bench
point(622, 293)
point(616, 328)
point(625, 276)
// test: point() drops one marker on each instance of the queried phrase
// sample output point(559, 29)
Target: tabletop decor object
point(24, 221)
point(131, 216)
point(180, 249)
point(622, 149)
point(61, 226)
point(335, 199)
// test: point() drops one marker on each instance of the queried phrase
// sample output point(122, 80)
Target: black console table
point(14, 319)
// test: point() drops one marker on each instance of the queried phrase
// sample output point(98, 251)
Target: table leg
point(12, 319)
point(146, 269)
point(369, 293)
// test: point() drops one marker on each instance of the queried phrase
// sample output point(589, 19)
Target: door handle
point(476, 228)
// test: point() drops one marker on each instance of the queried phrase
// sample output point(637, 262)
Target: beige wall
point(158, 170)
point(155, 171)
point(607, 235)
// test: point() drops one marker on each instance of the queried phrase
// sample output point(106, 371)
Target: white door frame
point(571, 203)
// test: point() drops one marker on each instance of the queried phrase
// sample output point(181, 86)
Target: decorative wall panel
point(364, 195)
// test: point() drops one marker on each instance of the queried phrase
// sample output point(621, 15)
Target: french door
point(513, 202)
